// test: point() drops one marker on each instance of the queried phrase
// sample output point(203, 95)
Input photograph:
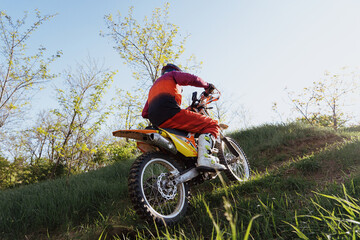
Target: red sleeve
point(145, 113)
point(185, 79)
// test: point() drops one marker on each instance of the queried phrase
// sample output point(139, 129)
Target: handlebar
point(204, 100)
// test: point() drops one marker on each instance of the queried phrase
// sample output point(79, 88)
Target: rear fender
point(141, 136)
point(137, 134)
point(145, 147)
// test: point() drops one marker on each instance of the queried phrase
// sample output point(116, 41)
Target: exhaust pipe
point(162, 142)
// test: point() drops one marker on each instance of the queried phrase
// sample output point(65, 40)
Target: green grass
point(268, 144)
point(62, 202)
point(271, 136)
point(290, 201)
point(333, 215)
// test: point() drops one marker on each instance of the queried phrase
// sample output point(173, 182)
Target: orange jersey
point(165, 98)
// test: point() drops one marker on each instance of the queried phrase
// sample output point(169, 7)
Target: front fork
point(192, 173)
point(222, 138)
point(184, 177)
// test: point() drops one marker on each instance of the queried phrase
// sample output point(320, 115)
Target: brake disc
point(166, 187)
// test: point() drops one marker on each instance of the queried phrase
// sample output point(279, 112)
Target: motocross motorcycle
point(160, 179)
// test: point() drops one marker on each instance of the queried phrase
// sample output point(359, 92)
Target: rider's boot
point(206, 161)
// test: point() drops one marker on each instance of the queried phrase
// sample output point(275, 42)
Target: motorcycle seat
point(178, 132)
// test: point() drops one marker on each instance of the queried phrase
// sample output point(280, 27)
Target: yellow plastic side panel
point(182, 146)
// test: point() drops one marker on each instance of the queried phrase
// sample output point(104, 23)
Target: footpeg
point(215, 150)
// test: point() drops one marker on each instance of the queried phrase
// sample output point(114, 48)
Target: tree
point(20, 73)
point(128, 107)
point(40, 141)
point(81, 114)
point(323, 103)
point(5, 176)
point(66, 136)
point(146, 48)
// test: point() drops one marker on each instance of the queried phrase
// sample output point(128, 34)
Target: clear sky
point(251, 49)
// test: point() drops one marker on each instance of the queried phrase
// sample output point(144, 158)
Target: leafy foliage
point(20, 72)
point(323, 103)
point(79, 118)
point(147, 47)
point(66, 137)
point(115, 152)
point(128, 107)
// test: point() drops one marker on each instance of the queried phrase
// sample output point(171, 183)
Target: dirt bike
point(160, 179)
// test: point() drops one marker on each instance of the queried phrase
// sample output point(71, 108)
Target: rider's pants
point(192, 122)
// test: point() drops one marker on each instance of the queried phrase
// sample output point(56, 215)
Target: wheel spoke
point(238, 167)
point(154, 195)
point(155, 198)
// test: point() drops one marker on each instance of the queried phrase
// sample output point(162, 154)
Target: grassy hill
point(305, 185)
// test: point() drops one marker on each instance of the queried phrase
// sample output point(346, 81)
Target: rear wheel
point(233, 157)
point(153, 192)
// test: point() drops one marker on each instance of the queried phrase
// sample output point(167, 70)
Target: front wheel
point(152, 190)
point(233, 157)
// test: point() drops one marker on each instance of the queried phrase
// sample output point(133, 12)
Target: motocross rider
point(162, 108)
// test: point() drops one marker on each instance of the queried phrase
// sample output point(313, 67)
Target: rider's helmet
point(169, 67)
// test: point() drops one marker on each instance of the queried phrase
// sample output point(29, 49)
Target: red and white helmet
point(170, 67)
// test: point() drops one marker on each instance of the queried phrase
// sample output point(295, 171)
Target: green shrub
point(124, 151)
point(117, 151)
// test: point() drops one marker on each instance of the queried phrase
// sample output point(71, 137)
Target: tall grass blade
point(247, 234)
point(298, 232)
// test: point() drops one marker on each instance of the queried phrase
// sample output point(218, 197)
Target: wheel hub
point(166, 187)
point(231, 159)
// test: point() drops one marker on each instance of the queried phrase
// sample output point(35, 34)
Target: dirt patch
point(322, 170)
point(296, 149)
point(330, 171)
